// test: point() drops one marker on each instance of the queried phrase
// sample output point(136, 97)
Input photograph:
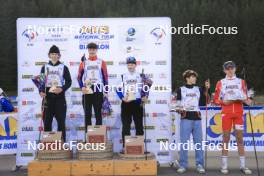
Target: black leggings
point(128, 111)
point(55, 107)
point(94, 100)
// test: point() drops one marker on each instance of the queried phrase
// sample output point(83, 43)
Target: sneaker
point(200, 169)
point(181, 170)
point(224, 170)
point(246, 171)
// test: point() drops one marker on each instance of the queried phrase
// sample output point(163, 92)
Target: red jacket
point(236, 107)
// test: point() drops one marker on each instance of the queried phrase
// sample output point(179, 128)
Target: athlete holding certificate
point(230, 93)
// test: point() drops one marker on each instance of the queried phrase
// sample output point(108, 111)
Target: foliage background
point(203, 53)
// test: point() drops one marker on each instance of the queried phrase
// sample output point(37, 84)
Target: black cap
point(92, 46)
point(54, 49)
point(229, 64)
point(131, 60)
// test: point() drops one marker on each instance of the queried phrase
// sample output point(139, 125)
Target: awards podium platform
point(93, 162)
point(116, 166)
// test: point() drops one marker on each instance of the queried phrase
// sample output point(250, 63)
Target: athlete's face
point(191, 80)
point(54, 57)
point(131, 67)
point(230, 71)
point(92, 52)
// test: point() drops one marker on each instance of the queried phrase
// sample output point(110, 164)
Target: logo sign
point(158, 34)
point(8, 129)
point(30, 35)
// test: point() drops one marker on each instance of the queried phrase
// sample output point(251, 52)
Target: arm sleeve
point(80, 74)
point(217, 94)
point(67, 78)
point(205, 96)
point(119, 89)
point(42, 71)
point(105, 75)
point(178, 97)
point(146, 85)
point(244, 88)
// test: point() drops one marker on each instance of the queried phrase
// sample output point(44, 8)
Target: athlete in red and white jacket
point(230, 94)
point(93, 73)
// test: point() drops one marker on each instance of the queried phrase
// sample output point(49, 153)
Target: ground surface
point(7, 162)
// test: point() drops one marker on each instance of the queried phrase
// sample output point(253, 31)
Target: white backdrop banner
point(144, 38)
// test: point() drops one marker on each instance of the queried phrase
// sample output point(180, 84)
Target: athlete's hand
point(248, 102)
point(58, 90)
point(105, 94)
point(125, 99)
point(144, 99)
point(207, 84)
point(84, 90)
point(42, 94)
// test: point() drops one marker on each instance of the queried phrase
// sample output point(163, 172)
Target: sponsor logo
point(215, 126)
point(40, 63)
point(27, 76)
point(75, 102)
point(105, 46)
point(26, 155)
point(28, 116)
point(8, 130)
point(161, 88)
point(28, 89)
point(164, 127)
point(162, 75)
point(130, 34)
point(25, 64)
point(109, 62)
point(149, 75)
point(80, 128)
point(163, 154)
point(122, 63)
point(161, 62)
point(71, 63)
point(94, 33)
point(191, 95)
point(148, 140)
point(30, 35)
point(75, 116)
point(76, 89)
point(115, 102)
point(27, 128)
point(162, 140)
point(161, 102)
point(131, 49)
point(150, 127)
point(143, 63)
point(27, 102)
point(112, 76)
point(131, 31)
point(138, 63)
point(55, 34)
point(158, 35)
point(156, 114)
